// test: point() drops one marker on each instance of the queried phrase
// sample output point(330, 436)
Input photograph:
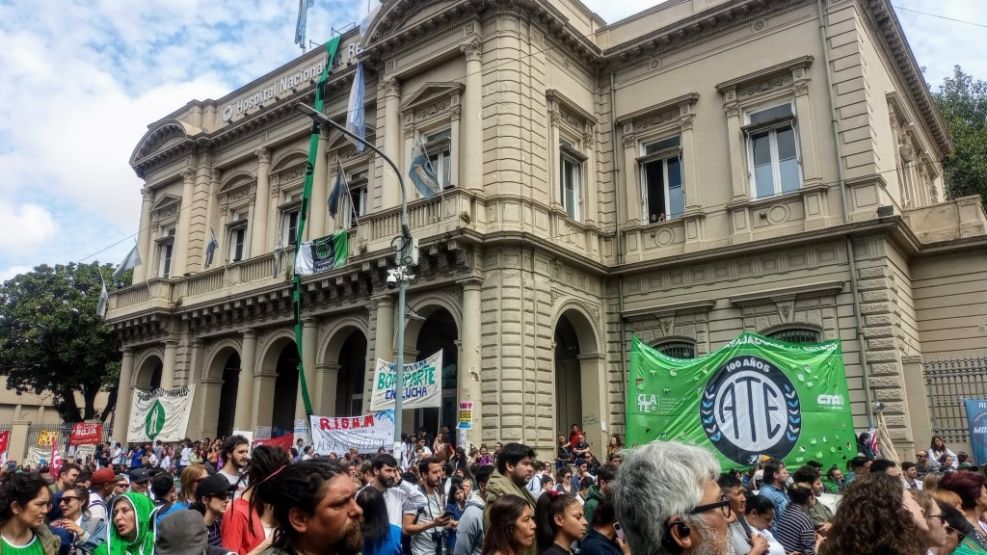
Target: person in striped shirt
point(794, 529)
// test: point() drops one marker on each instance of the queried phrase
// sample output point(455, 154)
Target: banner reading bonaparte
point(160, 414)
point(755, 396)
point(422, 384)
point(367, 432)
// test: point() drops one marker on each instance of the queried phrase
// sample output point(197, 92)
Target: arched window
point(797, 335)
point(677, 348)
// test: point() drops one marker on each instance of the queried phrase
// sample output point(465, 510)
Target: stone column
point(168, 365)
point(245, 383)
point(391, 194)
point(735, 141)
point(320, 193)
point(809, 152)
point(589, 209)
point(592, 371)
point(690, 172)
point(310, 336)
point(327, 379)
point(144, 236)
point(384, 336)
point(632, 181)
point(468, 377)
point(180, 252)
point(121, 414)
point(258, 224)
point(472, 122)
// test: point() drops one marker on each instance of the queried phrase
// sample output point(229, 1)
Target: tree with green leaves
point(53, 342)
point(962, 101)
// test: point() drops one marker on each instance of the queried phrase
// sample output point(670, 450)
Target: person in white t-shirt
point(236, 454)
point(183, 458)
point(760, 516)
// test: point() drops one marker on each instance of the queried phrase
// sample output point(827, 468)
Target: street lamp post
point(401, 272)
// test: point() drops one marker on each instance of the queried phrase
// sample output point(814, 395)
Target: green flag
point(323, 254)
point(755, 396)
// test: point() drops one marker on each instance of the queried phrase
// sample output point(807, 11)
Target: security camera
point(392, 279)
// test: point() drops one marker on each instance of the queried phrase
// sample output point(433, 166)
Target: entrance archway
point(149, 373)
point(439, 332)
point(568, 381)
point(580, 377)
point(285, 391)
point(227, 395)
point(351, 380)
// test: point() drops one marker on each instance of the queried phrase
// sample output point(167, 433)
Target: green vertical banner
point(755, 396)
point(313, 152)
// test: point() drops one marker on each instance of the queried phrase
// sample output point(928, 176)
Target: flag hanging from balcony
point(337, 192)
point(211, 247)
point(422, 174)
point(132, 260)
point(323, 254)
point(104, 299)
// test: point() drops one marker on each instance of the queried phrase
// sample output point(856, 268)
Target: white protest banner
point(422, 384)
point(368, 432)
point(160, 414)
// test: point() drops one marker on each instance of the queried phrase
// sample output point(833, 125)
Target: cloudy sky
point(82, 79)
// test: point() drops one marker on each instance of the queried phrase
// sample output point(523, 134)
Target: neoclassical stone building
point(701, 168)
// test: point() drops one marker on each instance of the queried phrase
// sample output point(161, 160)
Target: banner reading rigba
point(755, 396)
point(367, 433)
point(160, 414)
point(422, 382)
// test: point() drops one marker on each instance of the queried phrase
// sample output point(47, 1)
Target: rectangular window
point(662, 194)
point(571, 180)
point(289, 226)
point(358, 193)
point(772, 145)
point(237, 238)
point(439, 148)
point(166, 247)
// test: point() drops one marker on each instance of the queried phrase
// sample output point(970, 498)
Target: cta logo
point(647, 402)
point(830, 400)
point(750, 408)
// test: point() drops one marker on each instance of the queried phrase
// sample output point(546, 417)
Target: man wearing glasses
point(669, 502)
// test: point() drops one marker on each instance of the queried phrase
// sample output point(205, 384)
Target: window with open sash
point(238, 238)
point(772, 151)
point(357, 182)
point(571, 179)
point(166, 248)
point(438, 145)
point(662, 195)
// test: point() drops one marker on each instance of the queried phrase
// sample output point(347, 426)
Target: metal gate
point(948, 383)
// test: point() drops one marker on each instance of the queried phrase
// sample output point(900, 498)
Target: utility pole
point(400, 276)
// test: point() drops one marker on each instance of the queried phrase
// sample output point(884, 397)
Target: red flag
point(4, 441)
point(56, 459)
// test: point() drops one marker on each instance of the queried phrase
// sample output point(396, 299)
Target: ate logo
point(750, 408)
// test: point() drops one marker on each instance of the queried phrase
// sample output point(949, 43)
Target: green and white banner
point(323, 254)
point(755, 396)
point(160, 414)
point(422, 383)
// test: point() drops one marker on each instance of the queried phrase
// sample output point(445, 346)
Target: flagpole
point(402, 274)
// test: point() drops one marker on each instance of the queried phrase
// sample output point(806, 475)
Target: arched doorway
point(568, 381)
point(149, 374)
point(227, 395)
point(581, 387)
point(439, 332)
point(285, 391)
point(351, 380)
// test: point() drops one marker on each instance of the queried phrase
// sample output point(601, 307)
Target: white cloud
point(9, 273)
point(24, 228)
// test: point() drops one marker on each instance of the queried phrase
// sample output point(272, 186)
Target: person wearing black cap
point(212, 498)
point(139, 480)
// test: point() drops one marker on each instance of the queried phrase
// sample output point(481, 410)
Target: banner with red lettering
point(339, 434)
point(4, 443)
point(86, 434)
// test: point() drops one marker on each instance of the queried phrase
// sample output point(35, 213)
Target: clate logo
point(647, 402)
point(750, 408)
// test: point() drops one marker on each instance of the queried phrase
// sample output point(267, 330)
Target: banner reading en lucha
point(422, 381)
point(755, 396)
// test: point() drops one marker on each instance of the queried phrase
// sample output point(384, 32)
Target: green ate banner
point(755, 396)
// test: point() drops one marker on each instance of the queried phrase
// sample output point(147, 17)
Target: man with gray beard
point(669, 502)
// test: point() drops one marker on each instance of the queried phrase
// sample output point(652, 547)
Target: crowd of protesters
point(226, 496)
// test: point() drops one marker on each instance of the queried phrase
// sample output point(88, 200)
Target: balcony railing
point(448, 211)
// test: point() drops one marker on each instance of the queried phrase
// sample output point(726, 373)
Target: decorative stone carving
point(263, 155)
point(472, 49)
point(392, 87)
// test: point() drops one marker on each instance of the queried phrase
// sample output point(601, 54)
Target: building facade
point(699, 169)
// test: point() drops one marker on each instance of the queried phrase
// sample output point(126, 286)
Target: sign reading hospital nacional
point(422, 382)
point(756, 396)
point(286, 84)
point(276, 89)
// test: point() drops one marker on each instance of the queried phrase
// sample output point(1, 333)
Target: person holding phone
point(606, 537)
point(427, 527)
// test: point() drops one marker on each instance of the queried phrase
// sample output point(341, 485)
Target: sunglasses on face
point(66, 499)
